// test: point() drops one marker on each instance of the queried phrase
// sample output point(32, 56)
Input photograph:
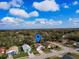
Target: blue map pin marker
point(38, 38)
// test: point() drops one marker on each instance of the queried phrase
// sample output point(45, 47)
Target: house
point(13, 50)
point(2, 50)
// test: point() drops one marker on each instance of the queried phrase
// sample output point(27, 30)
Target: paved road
point(66, 49)
point(54, 52)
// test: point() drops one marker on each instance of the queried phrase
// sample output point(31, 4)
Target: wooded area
point(10, 38)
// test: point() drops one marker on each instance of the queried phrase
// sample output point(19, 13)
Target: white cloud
point(50, 21)
point(70, 19)
point(18, 12)
point(66, 6)
point(34, 13)
point(75, 2)
point(47, 5)
point(22, 13)
point(77, 11)
point(14, 3)
point(43, 21)
point(37, 23)
point(30, 22)
point(74, 21)
point(4, 5)
point(54, 22)
point(12, 21)
point(8, 20)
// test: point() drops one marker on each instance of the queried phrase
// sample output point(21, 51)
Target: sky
point(39, 14)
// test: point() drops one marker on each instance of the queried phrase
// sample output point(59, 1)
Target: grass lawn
point(3, 56)
point(22, 54)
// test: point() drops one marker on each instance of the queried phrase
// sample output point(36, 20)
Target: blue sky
point(39, 14)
